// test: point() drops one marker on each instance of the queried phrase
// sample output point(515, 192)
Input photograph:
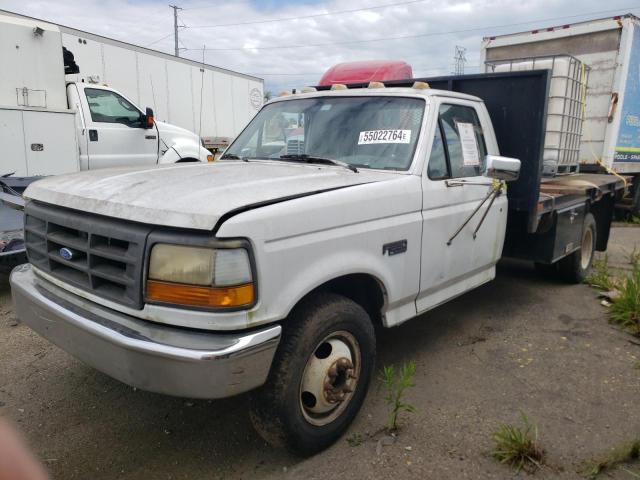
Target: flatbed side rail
point(558, 192)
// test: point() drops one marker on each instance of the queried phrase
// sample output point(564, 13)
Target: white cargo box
point(565, 108)
point(610, 47)
point(32, 74)
point(38, 142)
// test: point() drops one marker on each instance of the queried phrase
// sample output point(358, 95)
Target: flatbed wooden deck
point(565, 190)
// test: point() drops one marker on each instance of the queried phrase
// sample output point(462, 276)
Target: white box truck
point(610, 50)
point(53, 120)
point(216, 103)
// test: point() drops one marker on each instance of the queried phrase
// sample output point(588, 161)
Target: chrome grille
point(295, 147)
point(104, 256)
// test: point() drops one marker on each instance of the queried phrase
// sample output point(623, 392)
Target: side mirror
point(502, 168)
point(148, 120)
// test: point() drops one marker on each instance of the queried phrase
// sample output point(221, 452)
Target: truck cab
point(113, 132)
point(369, 225)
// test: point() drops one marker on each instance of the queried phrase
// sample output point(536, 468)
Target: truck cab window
point(464, 140)
point(438, 168)
point(109, 107)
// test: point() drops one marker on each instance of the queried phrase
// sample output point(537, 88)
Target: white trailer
point(610, 49)
point(213, 102)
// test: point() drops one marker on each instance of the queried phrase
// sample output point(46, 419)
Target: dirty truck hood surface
point(191, 196)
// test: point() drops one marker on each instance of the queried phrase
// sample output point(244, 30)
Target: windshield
point(366, 132)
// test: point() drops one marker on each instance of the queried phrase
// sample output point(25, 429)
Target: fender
point(185, 149)
point(295, 255)
point(347, 253)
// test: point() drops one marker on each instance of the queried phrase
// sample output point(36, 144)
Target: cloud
point(144, 22)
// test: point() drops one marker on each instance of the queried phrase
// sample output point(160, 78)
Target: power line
point(202, 7)
point(159, 40)
point(402, 37)
point(285, 19)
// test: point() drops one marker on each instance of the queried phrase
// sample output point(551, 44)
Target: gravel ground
point(520, 343)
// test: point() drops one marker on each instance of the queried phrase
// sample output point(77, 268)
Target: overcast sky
point(441, 24)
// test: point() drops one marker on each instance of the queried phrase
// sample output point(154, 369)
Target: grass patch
point(396, 384)
point(634, 259)
point(625, 453)
point(518, 445)
point(355, 440)
point(600, 276)
point(625, 310)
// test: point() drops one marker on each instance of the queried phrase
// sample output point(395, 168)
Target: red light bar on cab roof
point(367, 71)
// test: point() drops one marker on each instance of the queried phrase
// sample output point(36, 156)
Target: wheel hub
point(330, 378)
point(336, 384)
point(586, 249)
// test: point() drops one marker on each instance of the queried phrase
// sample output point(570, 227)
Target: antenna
point(204, 48)
point(459, 60)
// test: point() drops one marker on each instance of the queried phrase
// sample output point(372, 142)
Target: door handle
point(93, 135)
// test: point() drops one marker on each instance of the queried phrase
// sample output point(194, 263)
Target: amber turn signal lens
point(209, 158)
point(220, 297)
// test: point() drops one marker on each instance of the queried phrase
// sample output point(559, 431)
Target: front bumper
point(157, 358)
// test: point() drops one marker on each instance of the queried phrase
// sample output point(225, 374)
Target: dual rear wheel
point(575, 267)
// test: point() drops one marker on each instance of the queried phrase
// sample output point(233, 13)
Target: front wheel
point(574, 268)
point(320, 375)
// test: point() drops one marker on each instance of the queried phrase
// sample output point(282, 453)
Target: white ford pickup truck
point(331, 213)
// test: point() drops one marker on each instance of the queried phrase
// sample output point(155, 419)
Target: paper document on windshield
point(468, 142)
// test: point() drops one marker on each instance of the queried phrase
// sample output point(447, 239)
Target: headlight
point(206, 277)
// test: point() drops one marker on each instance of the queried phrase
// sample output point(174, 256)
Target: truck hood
point(192, 195)
point(171, 134)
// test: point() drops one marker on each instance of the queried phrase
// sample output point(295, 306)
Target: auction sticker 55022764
point(370, 137)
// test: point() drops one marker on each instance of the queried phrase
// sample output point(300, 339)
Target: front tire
point(320, 376)
point(575, 268)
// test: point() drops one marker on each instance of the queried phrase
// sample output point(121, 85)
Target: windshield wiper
point(311, 159)
point(233, 156)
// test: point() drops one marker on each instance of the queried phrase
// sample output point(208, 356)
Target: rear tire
point(575, 268)
point(327, 338)
point(635, 199)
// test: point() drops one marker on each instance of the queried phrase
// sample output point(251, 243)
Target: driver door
point(115, 133)
point(452, 266)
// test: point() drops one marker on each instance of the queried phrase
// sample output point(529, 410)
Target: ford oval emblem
point(66, 253)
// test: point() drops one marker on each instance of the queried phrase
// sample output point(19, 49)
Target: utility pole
point(460, 59)
point(175, 28)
